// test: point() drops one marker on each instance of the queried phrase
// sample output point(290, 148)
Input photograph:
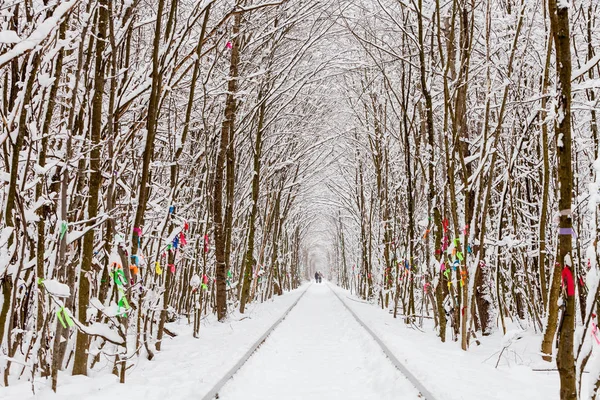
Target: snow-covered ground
point(452, 374)
point(187, 368)
point(319, 352)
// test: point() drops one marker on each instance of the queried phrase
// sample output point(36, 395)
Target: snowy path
point(318, 352)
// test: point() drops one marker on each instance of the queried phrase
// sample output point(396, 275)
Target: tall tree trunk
point(95, 181)
point(226, 133)
point(151, 123)
point(247, 270)
point(559, 20)
point(546, 179)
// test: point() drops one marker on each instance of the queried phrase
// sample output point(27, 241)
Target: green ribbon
point(63, 229)
point(119, 276)
point(67, 318)
point(123, 303)
point(447, 273)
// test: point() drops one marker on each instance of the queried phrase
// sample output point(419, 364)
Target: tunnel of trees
point(164, 160)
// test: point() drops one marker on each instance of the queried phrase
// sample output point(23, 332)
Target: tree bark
point(559, 20)
point(227, 128)
point(95, 181)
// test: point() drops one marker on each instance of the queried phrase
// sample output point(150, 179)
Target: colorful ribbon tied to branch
point(176, 242)
point(63, 229)
point(182, 239)
point(157, 268)
point(138, 232)
point(123, 304)
point(455, 265)
point(172, 268)
point(568, 282)
point(206, 243)
point(459, 255)
point(445, 243)
point(595, 330)
point(119, 275)
point(447, 273)
point(567, 231)
point(463, 277)
point(64, 312)
point(171, 209)
point(119, 278)
point(135, 262)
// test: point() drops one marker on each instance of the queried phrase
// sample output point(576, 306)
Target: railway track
point(423, 393)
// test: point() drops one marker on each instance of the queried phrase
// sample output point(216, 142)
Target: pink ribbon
point(595, 332)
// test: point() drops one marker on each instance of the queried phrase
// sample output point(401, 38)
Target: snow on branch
point(102, 330)
point(38, 35)
point(585, 68)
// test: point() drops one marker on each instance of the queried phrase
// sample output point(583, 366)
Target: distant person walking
point(318, 277)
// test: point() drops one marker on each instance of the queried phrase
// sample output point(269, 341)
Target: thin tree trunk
point(95, 181)
point(226, 133)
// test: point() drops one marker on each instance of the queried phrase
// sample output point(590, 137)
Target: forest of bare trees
point(470, 187)
point(172, 160)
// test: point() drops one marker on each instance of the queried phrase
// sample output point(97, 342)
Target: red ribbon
point(206, 243)
point(445, 224)
point(567, 280)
